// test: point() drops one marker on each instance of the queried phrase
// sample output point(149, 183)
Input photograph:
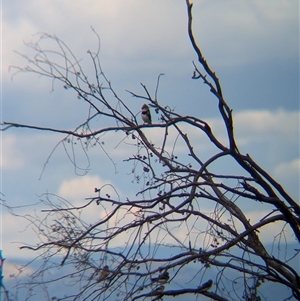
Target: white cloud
point(144, 32)
point(79, 188)
point(279, 127)
point(288, 175)
point(280, 120)
point(272, 232)
point(128, 30)
point(288, 169)
point(17, 232)
point(13, 37)
point(262, 125)
point(21, 151)
point(11, 155)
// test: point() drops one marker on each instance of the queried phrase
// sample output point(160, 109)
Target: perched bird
point(104, 273)
point(163, 278)
point(146, 115)
point(205, 286)
point(158, 290)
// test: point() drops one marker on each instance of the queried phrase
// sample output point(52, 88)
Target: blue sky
point(252, 45)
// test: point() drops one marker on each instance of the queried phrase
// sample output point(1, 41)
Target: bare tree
point(165, 241)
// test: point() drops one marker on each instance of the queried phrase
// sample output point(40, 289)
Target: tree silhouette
point(186, 232)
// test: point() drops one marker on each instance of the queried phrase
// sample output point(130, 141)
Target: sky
point(253, 46)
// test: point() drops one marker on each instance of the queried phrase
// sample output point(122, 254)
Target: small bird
point(104, 273)
point(146, 115)
point(158, 290)
point(205, 286)
point(163, 278)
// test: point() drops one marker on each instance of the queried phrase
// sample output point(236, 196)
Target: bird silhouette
point(146, 115)
point(158, 290)
point(104, 273)
point(163, 278)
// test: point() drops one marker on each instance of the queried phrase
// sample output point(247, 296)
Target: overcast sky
point(252, 45)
